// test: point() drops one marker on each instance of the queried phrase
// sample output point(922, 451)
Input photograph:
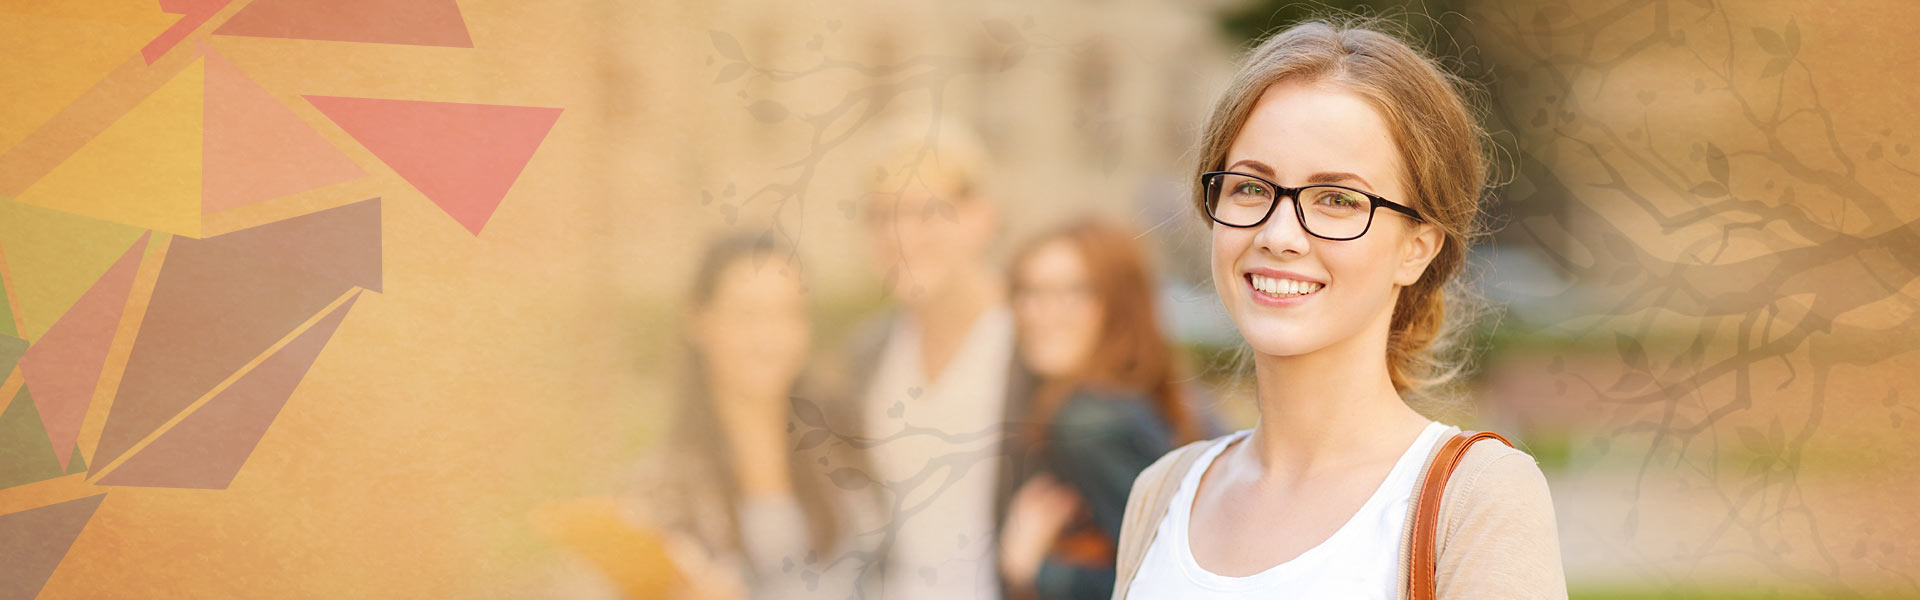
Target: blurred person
point(743, 514)
point(1108, 404)
point(934, 383)
point(1340, 173)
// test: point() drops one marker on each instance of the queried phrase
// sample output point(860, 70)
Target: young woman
point(744, 515)
point(1340, 174)
point(1108, 404)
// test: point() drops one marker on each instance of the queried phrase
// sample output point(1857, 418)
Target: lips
point(1281, 288)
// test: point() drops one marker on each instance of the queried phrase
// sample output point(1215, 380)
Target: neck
point(753, 426)
point(945, 317)
point(1329, 408)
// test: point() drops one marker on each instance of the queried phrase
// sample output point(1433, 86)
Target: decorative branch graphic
point(831, 128)
point(903, 499)
point(1738, 271)
point(1700, 328)
point(922, 82)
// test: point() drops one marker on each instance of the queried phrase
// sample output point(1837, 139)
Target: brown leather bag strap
point(1426, 516)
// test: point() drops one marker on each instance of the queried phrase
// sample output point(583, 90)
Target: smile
point(1280, 290)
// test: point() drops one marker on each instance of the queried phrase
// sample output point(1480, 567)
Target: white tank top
point(1360, 560)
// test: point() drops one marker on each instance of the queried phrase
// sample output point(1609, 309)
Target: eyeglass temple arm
point(1400, 208)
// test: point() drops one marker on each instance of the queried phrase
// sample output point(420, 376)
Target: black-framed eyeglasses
point(1329, 212)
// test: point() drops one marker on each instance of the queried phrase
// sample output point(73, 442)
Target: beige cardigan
point(1497, 536)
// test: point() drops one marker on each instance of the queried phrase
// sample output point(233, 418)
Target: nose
point(1283, 232)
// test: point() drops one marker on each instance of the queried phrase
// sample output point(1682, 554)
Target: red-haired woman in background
point(1108, 404)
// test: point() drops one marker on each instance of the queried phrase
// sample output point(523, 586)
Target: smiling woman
point(1345, 311)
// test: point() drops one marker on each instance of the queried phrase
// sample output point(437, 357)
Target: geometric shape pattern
point(194, 13)
point(7, 326)
point(411, 22)
point(11, 349)
point(64, 365)
point(256, 148)
point(144, 169)
point(118, 11)
point(53, 258)
point(25, 456)
point(50, 58)
point(463, 157)
point(33, 541)
point(207, 448)
point(221, 301)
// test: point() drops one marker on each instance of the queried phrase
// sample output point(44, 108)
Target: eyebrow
point(1316, 178)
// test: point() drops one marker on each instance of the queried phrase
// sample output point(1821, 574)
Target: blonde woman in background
point(934, 382)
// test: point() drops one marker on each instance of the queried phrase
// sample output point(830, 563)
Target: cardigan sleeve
point(1499, 540)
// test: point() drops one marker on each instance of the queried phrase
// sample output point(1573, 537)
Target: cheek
point(773, 342)
point(1228, 243)
point(1039, 331)
point(881, 245)
point(1364, 273)
point(1058, 339)
point(1078, 332)
point(786, 340)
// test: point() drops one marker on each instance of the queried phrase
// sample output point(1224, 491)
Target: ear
point(1417, 249)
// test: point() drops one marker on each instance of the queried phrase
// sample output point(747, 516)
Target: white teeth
point(1283, 287)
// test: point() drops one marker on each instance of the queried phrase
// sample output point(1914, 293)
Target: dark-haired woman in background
point(1107, 406)
point(743, 514)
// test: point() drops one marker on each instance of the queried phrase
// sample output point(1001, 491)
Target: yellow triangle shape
point(52, 258)
point(144, 170)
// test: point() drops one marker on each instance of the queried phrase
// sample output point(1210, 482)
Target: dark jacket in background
point(1100, 440)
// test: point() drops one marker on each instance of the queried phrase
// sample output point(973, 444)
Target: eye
point(1250, 188)
point(1340, 199)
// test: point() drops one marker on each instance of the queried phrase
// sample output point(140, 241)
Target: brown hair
point(1131, 354)
point(1441, 144)
point(702, 465)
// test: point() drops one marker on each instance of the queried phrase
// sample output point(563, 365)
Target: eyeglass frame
point(1375, 202)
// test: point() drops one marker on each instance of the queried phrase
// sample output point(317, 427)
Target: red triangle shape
point(194, 13)
point(33, 542)
point(412, 22)
point(207, 448)
point(63, 366)
point(223, 300)
point(463, 157)
point(257, 149)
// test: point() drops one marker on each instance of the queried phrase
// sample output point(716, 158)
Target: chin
point(1280, 343)
point(1046, 365)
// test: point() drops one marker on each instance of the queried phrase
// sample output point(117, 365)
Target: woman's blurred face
point(923, 236)
point(1291, 293)
point(1056, 309)
point(754, 332)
